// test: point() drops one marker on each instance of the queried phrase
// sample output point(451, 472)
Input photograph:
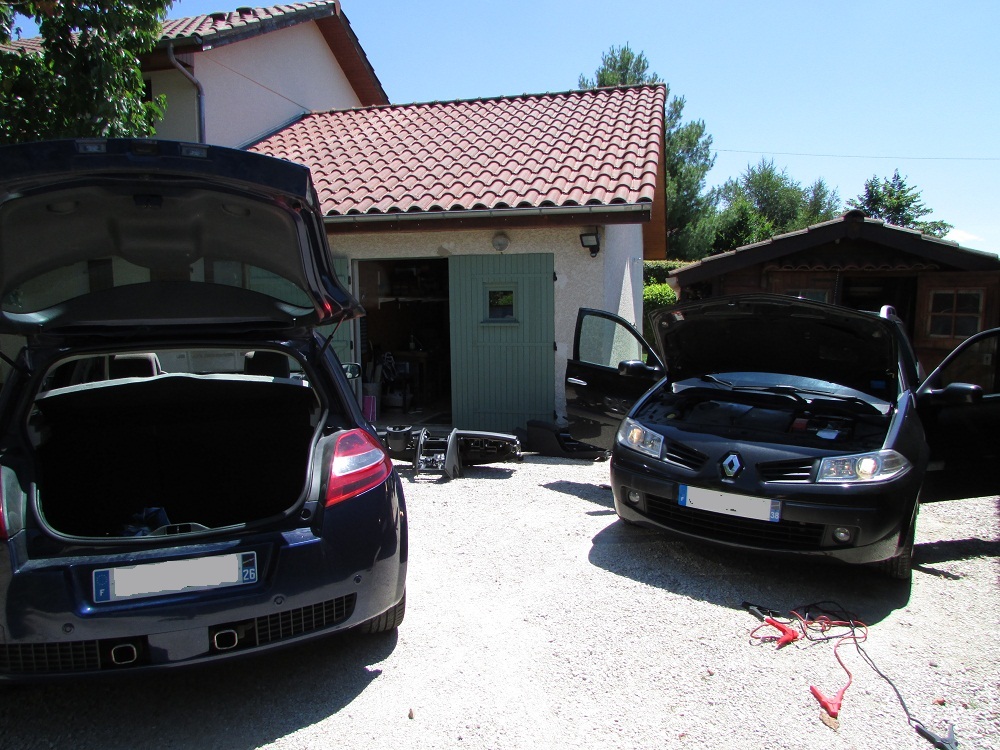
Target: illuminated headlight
point(863, 467)
point(633, 435)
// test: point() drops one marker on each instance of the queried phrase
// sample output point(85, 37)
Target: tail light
point(359, 463)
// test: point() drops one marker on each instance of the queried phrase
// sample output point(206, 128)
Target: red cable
point(857, 633)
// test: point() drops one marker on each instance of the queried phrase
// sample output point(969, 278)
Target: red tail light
point(359, 463)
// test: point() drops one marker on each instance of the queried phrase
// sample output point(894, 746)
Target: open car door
point(959, 406)
point(611, 368)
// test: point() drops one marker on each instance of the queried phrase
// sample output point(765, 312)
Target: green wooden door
point(502, 339)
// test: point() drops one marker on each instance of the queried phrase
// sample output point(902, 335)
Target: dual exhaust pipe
point(123, 654)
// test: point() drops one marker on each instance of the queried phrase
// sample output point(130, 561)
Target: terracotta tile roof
point(219, 28)
point(581, 148)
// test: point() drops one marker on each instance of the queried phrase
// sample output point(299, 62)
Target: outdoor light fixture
point(500, 242)
point(592, 242)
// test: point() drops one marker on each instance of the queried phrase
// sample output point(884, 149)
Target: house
point(232, 77)
point(473, 230)
point(943, 292)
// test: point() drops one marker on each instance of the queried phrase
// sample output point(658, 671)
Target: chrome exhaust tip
point(124, 653)
point(223, 640)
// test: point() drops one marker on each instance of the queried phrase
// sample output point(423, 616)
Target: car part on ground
point(433, 452)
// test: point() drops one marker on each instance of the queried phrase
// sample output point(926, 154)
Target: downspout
point(197, 84)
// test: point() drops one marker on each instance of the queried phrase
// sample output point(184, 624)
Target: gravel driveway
point(538, 620)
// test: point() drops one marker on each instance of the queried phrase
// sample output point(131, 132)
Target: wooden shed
point(943, 291)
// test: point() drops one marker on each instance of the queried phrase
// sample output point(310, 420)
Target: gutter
point(491, 213)
point(197, 84)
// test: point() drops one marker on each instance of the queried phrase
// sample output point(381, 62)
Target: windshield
point(878, 392)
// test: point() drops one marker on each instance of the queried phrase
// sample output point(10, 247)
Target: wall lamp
point(500, 242)
point(592, 242)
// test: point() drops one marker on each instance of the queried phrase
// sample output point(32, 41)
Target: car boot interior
point(128, 457)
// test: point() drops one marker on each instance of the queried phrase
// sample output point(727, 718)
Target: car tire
point(900, 567)
point(388, 620)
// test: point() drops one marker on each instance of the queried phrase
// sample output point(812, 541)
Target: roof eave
point(412, 221)
point(344, 44)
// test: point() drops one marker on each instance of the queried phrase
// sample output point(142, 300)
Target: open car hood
point(102, 234)
point(777, 334)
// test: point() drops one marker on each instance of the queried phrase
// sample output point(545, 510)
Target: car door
point(611, 367)
point(959, 405)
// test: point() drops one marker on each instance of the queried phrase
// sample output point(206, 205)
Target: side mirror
point(954, 394)
point(352, 370)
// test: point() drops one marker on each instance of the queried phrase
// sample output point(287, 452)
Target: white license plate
point(744, 506)
point(174, 577)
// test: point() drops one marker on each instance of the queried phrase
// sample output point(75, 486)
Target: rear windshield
point(87, 276)
point(195, 361)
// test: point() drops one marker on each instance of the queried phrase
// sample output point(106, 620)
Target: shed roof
point(593, 151)
point(853, 225)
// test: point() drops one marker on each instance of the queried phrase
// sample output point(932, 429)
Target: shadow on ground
point(241, 704)
point(729, 577)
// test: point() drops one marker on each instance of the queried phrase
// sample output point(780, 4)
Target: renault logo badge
point(732, 465)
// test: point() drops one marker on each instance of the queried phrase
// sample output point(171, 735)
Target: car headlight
point(863, 467)
point(633, 435)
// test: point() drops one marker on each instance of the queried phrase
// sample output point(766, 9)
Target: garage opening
point(404, 340)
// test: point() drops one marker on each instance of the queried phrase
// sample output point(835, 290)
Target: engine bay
point(769, 417)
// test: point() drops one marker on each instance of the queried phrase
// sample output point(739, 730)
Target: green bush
point(655, 271)
point(654, 297)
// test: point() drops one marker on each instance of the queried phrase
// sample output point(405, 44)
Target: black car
point(779, 424)
point(186, 474)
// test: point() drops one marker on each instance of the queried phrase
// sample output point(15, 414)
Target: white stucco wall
point(180, 120)
point(254, 86)
point(605, 282)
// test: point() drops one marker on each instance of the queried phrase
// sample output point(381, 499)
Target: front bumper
point(312, 581)
point(876, 516)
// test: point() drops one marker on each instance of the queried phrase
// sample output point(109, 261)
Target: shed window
point(501, 304)
point(956, 312)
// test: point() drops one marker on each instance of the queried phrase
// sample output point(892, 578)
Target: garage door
point(502, 340)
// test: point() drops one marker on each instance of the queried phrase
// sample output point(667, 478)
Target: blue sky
point(842, 91)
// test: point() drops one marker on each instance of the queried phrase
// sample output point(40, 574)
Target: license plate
point(744, 506)
point(174, 577)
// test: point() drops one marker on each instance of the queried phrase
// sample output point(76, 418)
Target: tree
point(86, 81)
point(687, 157)
point(895, 202)
point(620, 66)
point(764, 201)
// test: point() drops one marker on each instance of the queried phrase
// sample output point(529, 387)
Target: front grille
point(39, 658)
point(795, 470)
point(783, 535)
point(683, 455)
point(293, 622)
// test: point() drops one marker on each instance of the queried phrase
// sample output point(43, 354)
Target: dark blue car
point(185, 471)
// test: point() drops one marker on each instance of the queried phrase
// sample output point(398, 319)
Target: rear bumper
point(311, 582)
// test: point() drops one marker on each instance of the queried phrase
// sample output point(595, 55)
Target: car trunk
point(128, 457)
